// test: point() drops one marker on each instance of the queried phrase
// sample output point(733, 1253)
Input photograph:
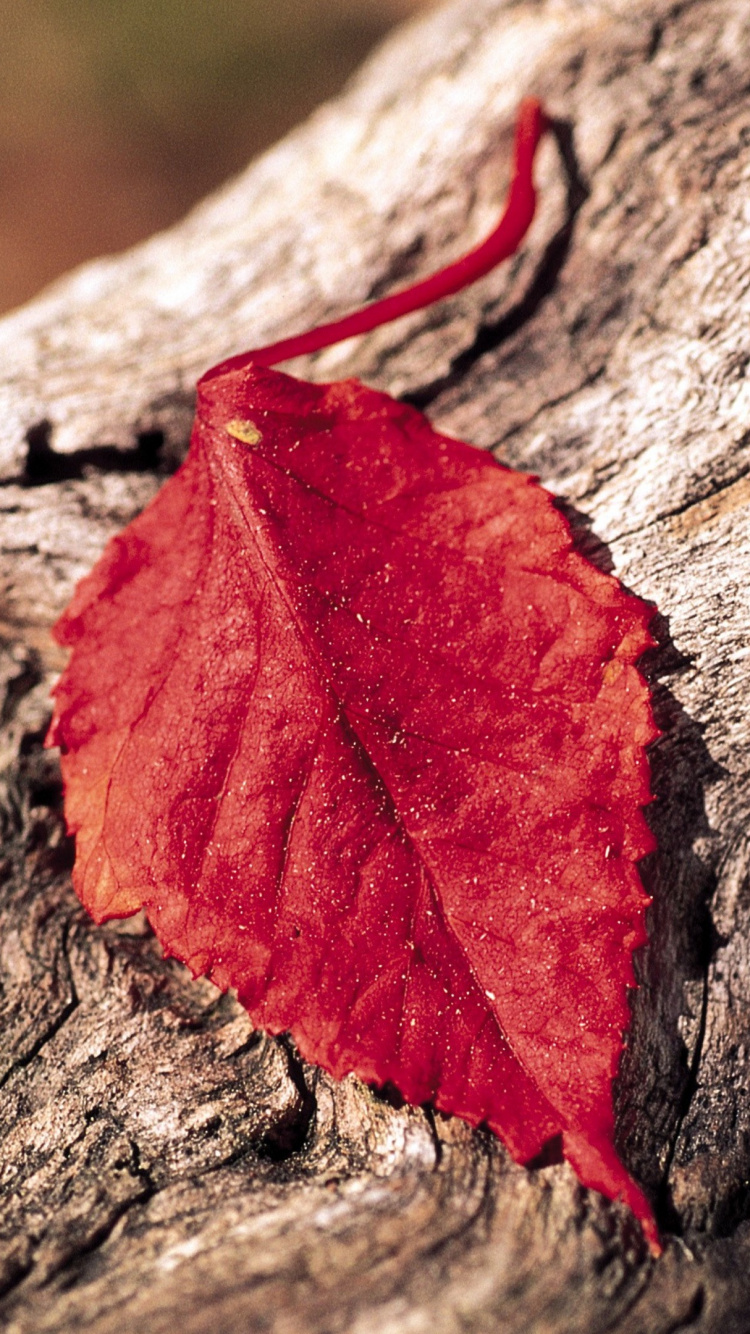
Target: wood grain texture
point(162, 1166)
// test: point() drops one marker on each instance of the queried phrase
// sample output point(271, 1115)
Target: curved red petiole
point(499, 245)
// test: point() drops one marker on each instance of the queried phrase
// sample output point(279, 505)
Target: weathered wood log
point(162, 1166)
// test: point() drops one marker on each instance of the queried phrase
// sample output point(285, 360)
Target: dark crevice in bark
point(695, 1309)
point(709, 1170)
point(429, 1114)
point(47, 1036)
point(550, 1155)
point(290, 1133)
point(30, 674)
point(713, 488)
point(389, 1094)
point(682, 886)
point(482, 1213)
point(44, 466)
point(665, 1208)
point(55, 1025)
point(732, 1211)
point(657, 36)
point(70, 1270)
point(15, 1276)
point(585, 539)
point(254, 1040)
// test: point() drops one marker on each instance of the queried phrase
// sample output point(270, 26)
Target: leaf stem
point(502, 242)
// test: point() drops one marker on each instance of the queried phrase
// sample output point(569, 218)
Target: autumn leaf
point(355, 723)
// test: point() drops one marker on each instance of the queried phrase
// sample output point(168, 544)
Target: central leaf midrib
point(327, 684)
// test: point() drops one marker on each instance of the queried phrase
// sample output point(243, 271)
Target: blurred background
point(117, 115)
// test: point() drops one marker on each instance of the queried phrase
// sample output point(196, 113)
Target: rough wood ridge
point(163, 1167)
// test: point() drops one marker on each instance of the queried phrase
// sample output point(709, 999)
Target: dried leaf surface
point(359, 728)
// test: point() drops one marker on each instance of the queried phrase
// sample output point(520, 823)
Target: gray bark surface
point(163, 1167)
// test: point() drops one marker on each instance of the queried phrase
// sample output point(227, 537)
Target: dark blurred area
point(117, 115)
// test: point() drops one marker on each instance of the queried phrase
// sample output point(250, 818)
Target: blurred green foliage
point(115, 115)
point(178, 70)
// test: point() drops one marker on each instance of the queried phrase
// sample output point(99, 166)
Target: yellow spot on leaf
point(246, 431)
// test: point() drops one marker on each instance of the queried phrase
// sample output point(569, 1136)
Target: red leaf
point(363, 733)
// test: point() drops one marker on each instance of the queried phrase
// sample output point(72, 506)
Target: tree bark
point(163, 1167)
